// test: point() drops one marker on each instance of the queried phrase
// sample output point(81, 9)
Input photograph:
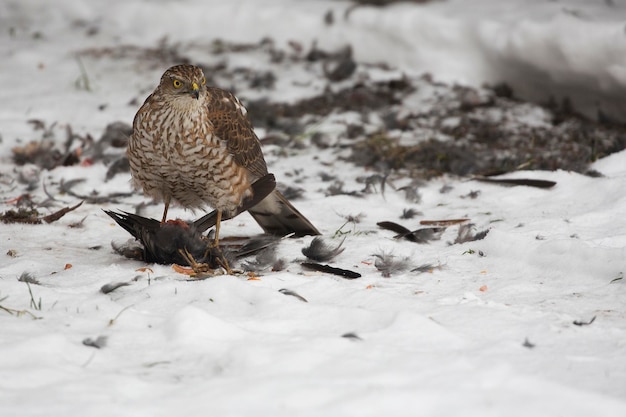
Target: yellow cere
point(195, 86)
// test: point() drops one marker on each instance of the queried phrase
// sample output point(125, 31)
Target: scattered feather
point(345, 273)
point(619, 277)
point(517, 181)
point(130, 249)
point(30, 175)
point(389, 264)
point(371, 181)
point(411, 191)
point(115, 136)
point(472, 194)
point(107, 288)
point(293, 193)
point(443, 223)
point(584, 323)
point(79, 224)
point(336, 188)
point(97, 343)
point(118, 166)
point(28, 278)
point(353, 218)
point(258, 244)
point(264, 259)
point(466, 234)
point(325, 177)
point(394, 227)
point(293, 294)
point(320, 251)
point(342, 67)
point(422, 235)
point(429, 267)
point(279, 265)
point(410, 213)
point(351, 336)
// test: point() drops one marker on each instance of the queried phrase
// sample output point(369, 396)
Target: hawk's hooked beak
point(195, 90)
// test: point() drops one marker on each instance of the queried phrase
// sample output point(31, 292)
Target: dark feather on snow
point(320, 251)
point(345, 273)
point(28, 278)
point(293, 294)
point(112, 286)
point(352, 336)
point(466, 233)
point(97, 343)
point(408, 214)
point(388, 264)
point(425, 268)
point(263, 260)
point(353, 218)
point(422, 235)
point(411, 191)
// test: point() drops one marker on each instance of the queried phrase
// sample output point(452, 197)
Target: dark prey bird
point(180, 242)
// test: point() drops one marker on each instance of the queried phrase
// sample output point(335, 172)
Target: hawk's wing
point(231, 125)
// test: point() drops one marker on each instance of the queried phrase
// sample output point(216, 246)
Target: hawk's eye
point(177, 83)
point(203, 81)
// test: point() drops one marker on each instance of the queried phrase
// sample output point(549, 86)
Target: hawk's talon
point(197, 267)
point(202, 267)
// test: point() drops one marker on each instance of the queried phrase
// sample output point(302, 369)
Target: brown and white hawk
point(194, 144)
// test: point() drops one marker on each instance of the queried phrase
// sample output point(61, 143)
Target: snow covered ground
point(531, 320)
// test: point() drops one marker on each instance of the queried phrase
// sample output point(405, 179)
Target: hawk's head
point(183, 81)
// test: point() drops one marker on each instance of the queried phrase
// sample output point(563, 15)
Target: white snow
point(441, 343)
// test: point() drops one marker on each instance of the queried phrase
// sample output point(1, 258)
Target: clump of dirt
point(21, 215)
point(493, 135)
point(410, 124)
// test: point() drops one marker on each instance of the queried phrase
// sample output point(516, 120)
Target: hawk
point(194, 144)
